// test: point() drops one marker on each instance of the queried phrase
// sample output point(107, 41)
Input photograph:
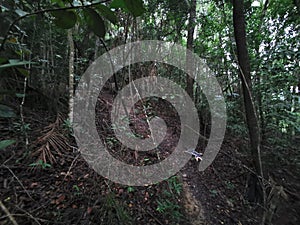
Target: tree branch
point(42, 12)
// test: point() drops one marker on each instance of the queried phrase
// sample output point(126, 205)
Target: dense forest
point(195, 104)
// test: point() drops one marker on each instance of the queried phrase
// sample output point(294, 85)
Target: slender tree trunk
point(190, 40)
point(244, 64)
point(71, 74)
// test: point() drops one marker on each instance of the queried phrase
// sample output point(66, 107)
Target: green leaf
point(6, 112)
point(13, 63)
point(107, 13)
point(130, 189)
point(135, 7)
point(3, 8)
point(60, 3)
point(21, 12)
point(95, 22)
point(118, 4)
point(6, 143)
point(65, 19)
point(23, 72)
point(20, 95)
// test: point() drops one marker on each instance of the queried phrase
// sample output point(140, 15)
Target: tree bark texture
point(71, 74)
point(245, 76)
point(190, 40)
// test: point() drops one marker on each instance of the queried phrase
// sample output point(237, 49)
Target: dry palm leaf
point(51, 142)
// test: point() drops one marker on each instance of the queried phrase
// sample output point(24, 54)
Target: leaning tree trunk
point(190, 40)
point(251, 117)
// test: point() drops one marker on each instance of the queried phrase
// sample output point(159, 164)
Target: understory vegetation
point(251, 47)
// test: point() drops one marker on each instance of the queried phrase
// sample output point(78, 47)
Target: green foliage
point(67, 126)
point(60, 3)
point(37, 46)
point(40, 164)
point(65, 19)
point(118, 4)
point(20, 127)
point(282, 7)
point(230, 185)
point(107, 13)
point(214, 192)
point(175, 185)
point(111, 142)
point(6, 112)
point(114, 212)
point(95, 22)
point(130, 189)
point(15, 63)
point(167, 203)
point(76, 189)
point(5, 143)
point(170, 209)
point(236, 125)
point(135, 7)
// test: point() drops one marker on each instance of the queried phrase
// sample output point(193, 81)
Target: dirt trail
point(69, 192)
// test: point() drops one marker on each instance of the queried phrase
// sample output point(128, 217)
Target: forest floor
point(65, 190)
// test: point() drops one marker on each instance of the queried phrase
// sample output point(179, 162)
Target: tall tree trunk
point(190, 40)
point(71, 74)
point(244, 64)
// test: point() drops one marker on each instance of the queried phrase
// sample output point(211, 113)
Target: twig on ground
point(18, 181)
point(6, 161)
point(71, 166)
point(149, 213)
point(12, 219)
point(31, 216)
